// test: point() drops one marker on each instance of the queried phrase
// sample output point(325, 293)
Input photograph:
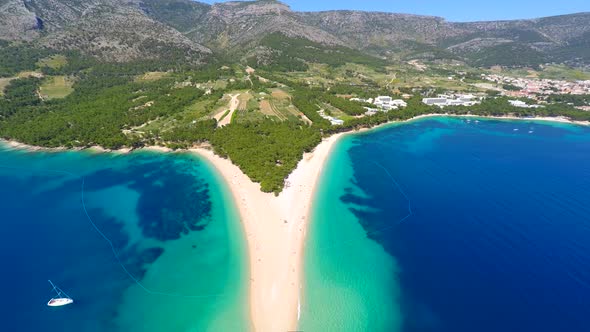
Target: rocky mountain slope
point(231, 24)
point(134, 29)
point(108, 29)
point(17, 22)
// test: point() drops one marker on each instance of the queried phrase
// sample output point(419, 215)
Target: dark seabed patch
point(47, 234)
point(488, 221)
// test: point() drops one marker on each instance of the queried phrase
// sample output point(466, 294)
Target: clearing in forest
point(151, 76)
point(56, 87)
point(4, 83)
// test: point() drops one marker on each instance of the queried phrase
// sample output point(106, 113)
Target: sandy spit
point(275, 229)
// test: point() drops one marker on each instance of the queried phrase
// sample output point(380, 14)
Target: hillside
point(135, 29)
point(256, 81)
point(107, 29)
point(229, 25)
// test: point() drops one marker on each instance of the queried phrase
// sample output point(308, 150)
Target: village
point(532, 87)
point(523, 93)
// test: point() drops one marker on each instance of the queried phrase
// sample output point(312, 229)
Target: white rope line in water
point(152, 292)
point(410, 213)
point(106, 238)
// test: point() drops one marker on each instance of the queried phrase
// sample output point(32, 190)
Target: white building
point(518, 103)
point(371, 111)
point(383, 99)
point(361, 100)
point(387, 103)
point(451, 100)
point(435, 101)
point(383, 103)
point(334, 121)
point(399, 103)
point(466, 98)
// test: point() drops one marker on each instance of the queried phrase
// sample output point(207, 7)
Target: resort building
point(517, 103)
point(383, 103)
point(371, 111)
point(451, 100)
point(334, 121)
point(522, 104)
point(435, 101)
point(387, 103)
point(361, 100)
point(383, 99)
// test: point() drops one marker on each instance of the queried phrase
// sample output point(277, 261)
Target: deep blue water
point(497, 234)
point(140, 202)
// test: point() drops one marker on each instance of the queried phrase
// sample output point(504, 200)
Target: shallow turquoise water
point(448, 224)
point(349, 282)
point(171, 221)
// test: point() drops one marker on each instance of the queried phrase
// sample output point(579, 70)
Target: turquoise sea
point(452, 224)
point(141, 242)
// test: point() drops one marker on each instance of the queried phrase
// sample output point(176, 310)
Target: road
point(233, 106)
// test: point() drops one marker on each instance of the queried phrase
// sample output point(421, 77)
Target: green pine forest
point(113, 105)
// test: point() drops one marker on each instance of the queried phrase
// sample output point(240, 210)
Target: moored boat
point(61, 299)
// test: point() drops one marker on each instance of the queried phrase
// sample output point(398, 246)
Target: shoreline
point(275, 228)
point(162, 149)
point(557, 119)
point(442, 115)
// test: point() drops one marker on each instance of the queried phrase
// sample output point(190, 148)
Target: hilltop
point(134, 29)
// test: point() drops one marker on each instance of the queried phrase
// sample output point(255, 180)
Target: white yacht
point(61, 299)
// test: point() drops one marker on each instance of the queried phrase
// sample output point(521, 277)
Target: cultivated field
point(151, 76)
point(56, 87)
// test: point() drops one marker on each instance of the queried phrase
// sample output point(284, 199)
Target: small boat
point(61, 299)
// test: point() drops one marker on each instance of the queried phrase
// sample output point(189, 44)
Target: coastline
point(435, 115)
point(275, 228)
point(162, 149)
point(558, 119)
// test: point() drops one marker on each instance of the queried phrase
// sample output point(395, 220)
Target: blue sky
point(453, 10)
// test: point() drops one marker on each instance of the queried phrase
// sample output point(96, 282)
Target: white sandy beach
point(275, 228)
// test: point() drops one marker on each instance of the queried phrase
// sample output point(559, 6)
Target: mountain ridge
point(125, 31)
